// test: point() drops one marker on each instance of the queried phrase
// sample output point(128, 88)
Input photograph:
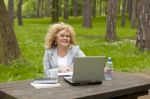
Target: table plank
point(122, 84)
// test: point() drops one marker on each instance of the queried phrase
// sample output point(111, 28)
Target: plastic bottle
point(108, 69)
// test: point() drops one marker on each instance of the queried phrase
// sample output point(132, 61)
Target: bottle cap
point(109, 59)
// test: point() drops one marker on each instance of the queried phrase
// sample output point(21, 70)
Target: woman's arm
point(46, 62)
point(80, 53)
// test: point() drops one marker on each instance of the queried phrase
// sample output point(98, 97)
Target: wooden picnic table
point(123, 86)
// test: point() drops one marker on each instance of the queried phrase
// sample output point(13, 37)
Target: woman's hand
point(64, 69)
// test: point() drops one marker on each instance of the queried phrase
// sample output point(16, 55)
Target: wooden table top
point(122, 84)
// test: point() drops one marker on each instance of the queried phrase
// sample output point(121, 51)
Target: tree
point(99, 7)
point(123, 13)
point(119, 6)
point(11, 11)
point(38, 13)
point(9, 48)
point(94, 8)
point(111, 20)
point(19, 12)
point(129, 8)
point(65, 9)
point(47, 8)
point(143, 33)
point(55, 11)
point(133, 14)
point(87, 14)
point(75, 8)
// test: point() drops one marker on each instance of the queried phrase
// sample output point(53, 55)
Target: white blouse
point(62, 61)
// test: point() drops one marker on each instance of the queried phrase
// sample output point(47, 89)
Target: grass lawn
point(125, 56)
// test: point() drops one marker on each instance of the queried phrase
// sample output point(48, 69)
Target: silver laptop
point(87, 70)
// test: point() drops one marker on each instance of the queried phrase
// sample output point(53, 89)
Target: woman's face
point(63, 38)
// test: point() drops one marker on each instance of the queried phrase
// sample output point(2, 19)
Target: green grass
point(126, 57)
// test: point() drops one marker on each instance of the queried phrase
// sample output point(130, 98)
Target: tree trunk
point(143, 33)
point(87, 17)
point(105, 7)
point(118, 8)
point(93, 8)
point(55, 11)
point(111, 20)
point(66, 10)
point(42, 8)
point(75, 8)
point(123, 13)
point(38, 8)
point(47, 8)
point(11, 11)
point(60, 8)
point(133, 15)
point(100, 7)
point(129, 8)
point(19, 13)
point(9, 48)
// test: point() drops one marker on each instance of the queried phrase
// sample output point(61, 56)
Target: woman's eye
point(65, 36)
point(62, 35)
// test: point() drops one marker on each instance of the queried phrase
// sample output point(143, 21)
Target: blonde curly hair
point(50, 39)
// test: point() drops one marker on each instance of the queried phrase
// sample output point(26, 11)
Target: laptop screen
point(89, 68)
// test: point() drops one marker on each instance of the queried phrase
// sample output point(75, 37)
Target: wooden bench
point(123, 86)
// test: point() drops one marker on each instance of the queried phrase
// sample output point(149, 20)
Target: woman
point(60, 48)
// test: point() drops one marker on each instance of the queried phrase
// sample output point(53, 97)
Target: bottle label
point(108, 74)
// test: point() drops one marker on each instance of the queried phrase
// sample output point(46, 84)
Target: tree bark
point(123, 13)
point(118, 8)
point(75, 8)
point(47, 8)
point(11, 11)
point(106, 7)
point(9, 48)
point(19, 13)
point(143, 33)
point(133, 14)
point(42, 8)
point(66, 10)
point(129, 8)
point(93, 8)
point(100, 7)
point(111, 20)
point(55, 11)
point(38, 8)
point(87, 17)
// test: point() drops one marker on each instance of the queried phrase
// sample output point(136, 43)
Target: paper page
point(65, 74)
point(39, 86)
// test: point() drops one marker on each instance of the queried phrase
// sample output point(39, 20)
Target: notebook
point(46, 80)
point(87, 70)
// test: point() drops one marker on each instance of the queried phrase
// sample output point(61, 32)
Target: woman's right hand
point(64, 69)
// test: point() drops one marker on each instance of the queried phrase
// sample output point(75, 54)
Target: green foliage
point(29, 8)
point(126, 57)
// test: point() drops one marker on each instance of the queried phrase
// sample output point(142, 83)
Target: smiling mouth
point(65, 41)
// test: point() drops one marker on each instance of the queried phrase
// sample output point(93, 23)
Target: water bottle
point(108, 69)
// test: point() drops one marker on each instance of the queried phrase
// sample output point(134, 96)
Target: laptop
point(87, 70)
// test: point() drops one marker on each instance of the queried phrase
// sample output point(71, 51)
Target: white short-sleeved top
point(62, 61)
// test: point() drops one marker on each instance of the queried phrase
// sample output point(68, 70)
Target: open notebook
point(45, 83)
